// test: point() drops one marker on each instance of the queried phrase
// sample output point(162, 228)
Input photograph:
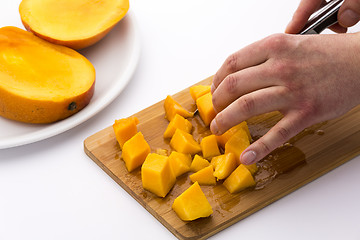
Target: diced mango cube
point(198, 163)
point(206, 108)
point(178, 122)
point(215, 160)
point(222, 139)
point(156, 174)
point(204, 176)
point(199, 90)
point(135, 151)
point(237, 143)
point(172, 108)
point(209, 146)
point(239, 179)
point(192, 204)
point(252, 168)
point(162, 151)
point(124, 129)
point(225, 165)
point(184, 142)
point(179, 162)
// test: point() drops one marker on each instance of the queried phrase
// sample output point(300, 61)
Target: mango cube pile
point(211, 159)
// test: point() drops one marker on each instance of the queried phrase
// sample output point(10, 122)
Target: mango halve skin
point(41, 82)
point(73, 23)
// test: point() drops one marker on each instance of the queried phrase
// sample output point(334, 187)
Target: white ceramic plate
point(121, 47)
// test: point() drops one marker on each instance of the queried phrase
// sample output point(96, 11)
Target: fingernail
point(348, 18)
point(248, 157)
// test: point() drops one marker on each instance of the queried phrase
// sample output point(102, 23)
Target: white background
point(52, 190)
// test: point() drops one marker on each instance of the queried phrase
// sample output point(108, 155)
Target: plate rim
point(66, 124)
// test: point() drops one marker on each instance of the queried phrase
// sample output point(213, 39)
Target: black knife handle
point(323, 18)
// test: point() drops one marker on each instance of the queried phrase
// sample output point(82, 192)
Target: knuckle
point(276, 42)
point(283, 133)
point(246, 105)
point(307, 108)
point(263, 147)
point(230, 83)
point(285, 70)
point(231, 63)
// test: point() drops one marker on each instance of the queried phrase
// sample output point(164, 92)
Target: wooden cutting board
point(310, 154)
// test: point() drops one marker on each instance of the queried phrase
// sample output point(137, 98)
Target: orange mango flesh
point(225, 165)
point(184, 142)
point(134, 151)
point(178, 122)
point(161, 151)
point(41, 82)
point(159, 171)
point(252, 168)
point(172, 108)
point(222, 139)
point(157, 175)
point(198, 163)
point(206, 108)
point(124, 129)
point(204, 176)
point(209, 146)
point(215, 160)
point(239, 180)
point(237, 143)
point(76, 24)
point(192, 204)
point(199, 90)
point(179, 162)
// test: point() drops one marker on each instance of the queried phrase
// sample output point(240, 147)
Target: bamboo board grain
point(310, 154)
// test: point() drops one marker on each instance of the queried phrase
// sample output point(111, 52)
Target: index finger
point(251, 55)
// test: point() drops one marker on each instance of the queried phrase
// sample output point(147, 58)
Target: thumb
point(349, 13)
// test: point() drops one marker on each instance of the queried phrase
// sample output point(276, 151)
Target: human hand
point(348, 15)
point(308, 78)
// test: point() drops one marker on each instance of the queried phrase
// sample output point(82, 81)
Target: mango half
point(73, 23)
point(41, 82)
